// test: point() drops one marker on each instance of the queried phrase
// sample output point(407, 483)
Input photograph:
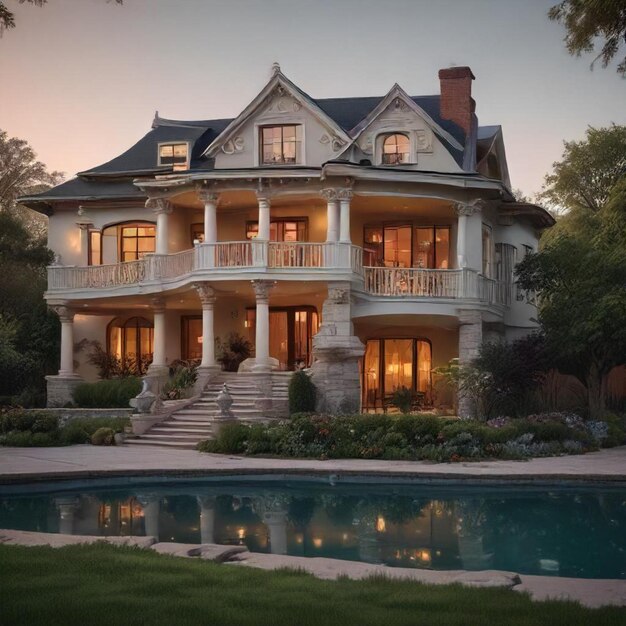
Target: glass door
point(398, 359)
point(279, 338)
point(397, 246)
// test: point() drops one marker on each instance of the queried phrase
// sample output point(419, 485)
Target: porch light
point(381, 525)
point(241, 533)
point(317, 542)
point(200, 339)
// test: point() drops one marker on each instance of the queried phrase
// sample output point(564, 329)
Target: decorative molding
point(159, 205)
point(423, 140)
point(281, 101)
point(399, 104)
point(206, 293)
point(65, 313)
point(329, 194)
point(468, 209)
point(206, 195)
point(235, 145)
point(337, 143)
point(262, 290)
point(344, 194)
point(366, 144)
point(339, 295)
point(158, 304)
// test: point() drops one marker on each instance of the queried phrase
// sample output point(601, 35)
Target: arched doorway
point(132, 342)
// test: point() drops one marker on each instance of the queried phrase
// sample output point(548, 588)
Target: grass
point(102, 584)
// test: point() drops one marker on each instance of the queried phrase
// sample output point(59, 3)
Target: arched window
point(396, 149)
point(132, 342)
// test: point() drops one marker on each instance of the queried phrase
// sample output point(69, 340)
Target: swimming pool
point(560, 531)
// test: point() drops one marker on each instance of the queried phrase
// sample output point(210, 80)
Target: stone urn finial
point(144, 400)
point(224, 401)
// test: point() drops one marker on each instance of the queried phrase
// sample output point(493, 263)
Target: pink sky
point(81, 80)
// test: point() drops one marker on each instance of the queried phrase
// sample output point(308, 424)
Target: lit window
point(396, 149)
point(173, 154)
point(95, 247)
point(136, 240)
point(281, 230)
point(281, 145)
point(132, 342)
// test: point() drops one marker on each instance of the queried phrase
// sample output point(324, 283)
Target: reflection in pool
point(532, 531)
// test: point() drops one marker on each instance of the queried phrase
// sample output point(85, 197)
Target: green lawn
point(102, 584)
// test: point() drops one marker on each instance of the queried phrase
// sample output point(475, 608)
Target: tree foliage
point(586, 21)
point(588, 170)
point(7, 18)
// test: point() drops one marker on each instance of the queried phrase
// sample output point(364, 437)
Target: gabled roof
point(277, 81)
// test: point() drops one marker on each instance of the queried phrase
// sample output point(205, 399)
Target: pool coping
point(84, 462)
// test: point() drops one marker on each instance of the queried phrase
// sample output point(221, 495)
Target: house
point(371, 239)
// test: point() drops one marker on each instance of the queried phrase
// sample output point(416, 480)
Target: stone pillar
point(345, 195)
point(262, 335)
point(264, 217)
point(161, 207)
point(207, 519)
point(158, 366)
point(61, 387)
point(207, 298)
point(67, 509)
point(332, 215)
point(151, 507)
point(469, 235)
point(336, 354)
point(272, 509)
point(470, 340)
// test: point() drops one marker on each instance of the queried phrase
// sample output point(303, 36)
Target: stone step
point(189, 438)
point(173, 429)
point(164, 444)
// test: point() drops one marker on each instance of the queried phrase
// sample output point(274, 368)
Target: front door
point(390, 364)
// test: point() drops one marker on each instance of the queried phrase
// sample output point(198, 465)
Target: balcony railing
point(330, 257)
point(429, 283)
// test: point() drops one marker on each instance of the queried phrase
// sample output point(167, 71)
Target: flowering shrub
point(413, 437)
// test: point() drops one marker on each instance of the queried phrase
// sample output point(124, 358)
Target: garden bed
point(419, 437)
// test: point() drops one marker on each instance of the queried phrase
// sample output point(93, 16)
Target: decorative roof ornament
point(275, 68)
point(155, 121)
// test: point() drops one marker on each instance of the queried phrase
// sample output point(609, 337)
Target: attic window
point(174, 155)
point(281, 145)
point(396, 149)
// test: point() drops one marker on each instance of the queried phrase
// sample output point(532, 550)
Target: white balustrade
point(297, 254)
point(224, 254)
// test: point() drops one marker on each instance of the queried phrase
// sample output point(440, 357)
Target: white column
point(262, 336)
point(158, 356)
point(264, 217)
point(345, 195)
point(207, 298)
point(151, 508)
point(161, 208)
point(332, 215)
point(66, 315)
point(210, 200)
point(466, 236)
point(67, 509)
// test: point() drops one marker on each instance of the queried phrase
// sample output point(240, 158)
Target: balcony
point(287, 260)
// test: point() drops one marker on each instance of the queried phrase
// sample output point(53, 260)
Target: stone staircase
point(194, 423)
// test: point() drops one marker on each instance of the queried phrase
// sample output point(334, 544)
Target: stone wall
point(470, 340)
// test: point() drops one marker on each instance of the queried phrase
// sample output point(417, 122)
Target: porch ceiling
point(405, 322)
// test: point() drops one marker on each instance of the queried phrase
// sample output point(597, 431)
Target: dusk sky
point(82, 78)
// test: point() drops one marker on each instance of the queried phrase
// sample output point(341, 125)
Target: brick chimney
point(456, 103)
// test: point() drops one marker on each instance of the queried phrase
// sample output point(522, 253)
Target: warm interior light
point(241, 533)
point(381, 526)
point(317, 542)
point(199, 338)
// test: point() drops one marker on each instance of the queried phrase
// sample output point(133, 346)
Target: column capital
point(262, 290)
point(65, 313)
point(468, 209)
point(264, 198)
point(158, 304)
point(208, 196)
point(329, 194)
point(159, 205)
point(206, 293)
point(345, 194)
point(339, 293)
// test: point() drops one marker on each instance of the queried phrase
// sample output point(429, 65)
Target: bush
point(182, 377)
point(17, 420)
point(105, 394)
point(73, 434)
point(232, 438)
point(302, 393)
point(103, 437)
point(233, 351)
point(45, 423)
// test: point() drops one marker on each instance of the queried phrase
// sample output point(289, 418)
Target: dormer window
point(396, 149)
point(281, 145)
point(173, 155)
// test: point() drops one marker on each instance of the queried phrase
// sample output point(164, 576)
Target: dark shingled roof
point(141, 158)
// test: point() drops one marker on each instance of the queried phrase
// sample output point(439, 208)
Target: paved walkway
point(19, 464)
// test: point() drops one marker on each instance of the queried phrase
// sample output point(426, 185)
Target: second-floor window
point(281, 230)
point(95, 247)
point(281, 145)
point(174, 155)
point(396, 149)
point(136, 240)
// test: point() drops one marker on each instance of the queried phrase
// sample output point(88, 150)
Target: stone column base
point(335, 373)
point(60, 390)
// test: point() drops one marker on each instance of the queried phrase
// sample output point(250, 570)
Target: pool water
point(575, 532)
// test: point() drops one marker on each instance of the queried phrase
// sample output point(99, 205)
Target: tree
point(588, 171)
point(29, 332)
point(586, 21)
point(7, 18)
point(579, 279)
